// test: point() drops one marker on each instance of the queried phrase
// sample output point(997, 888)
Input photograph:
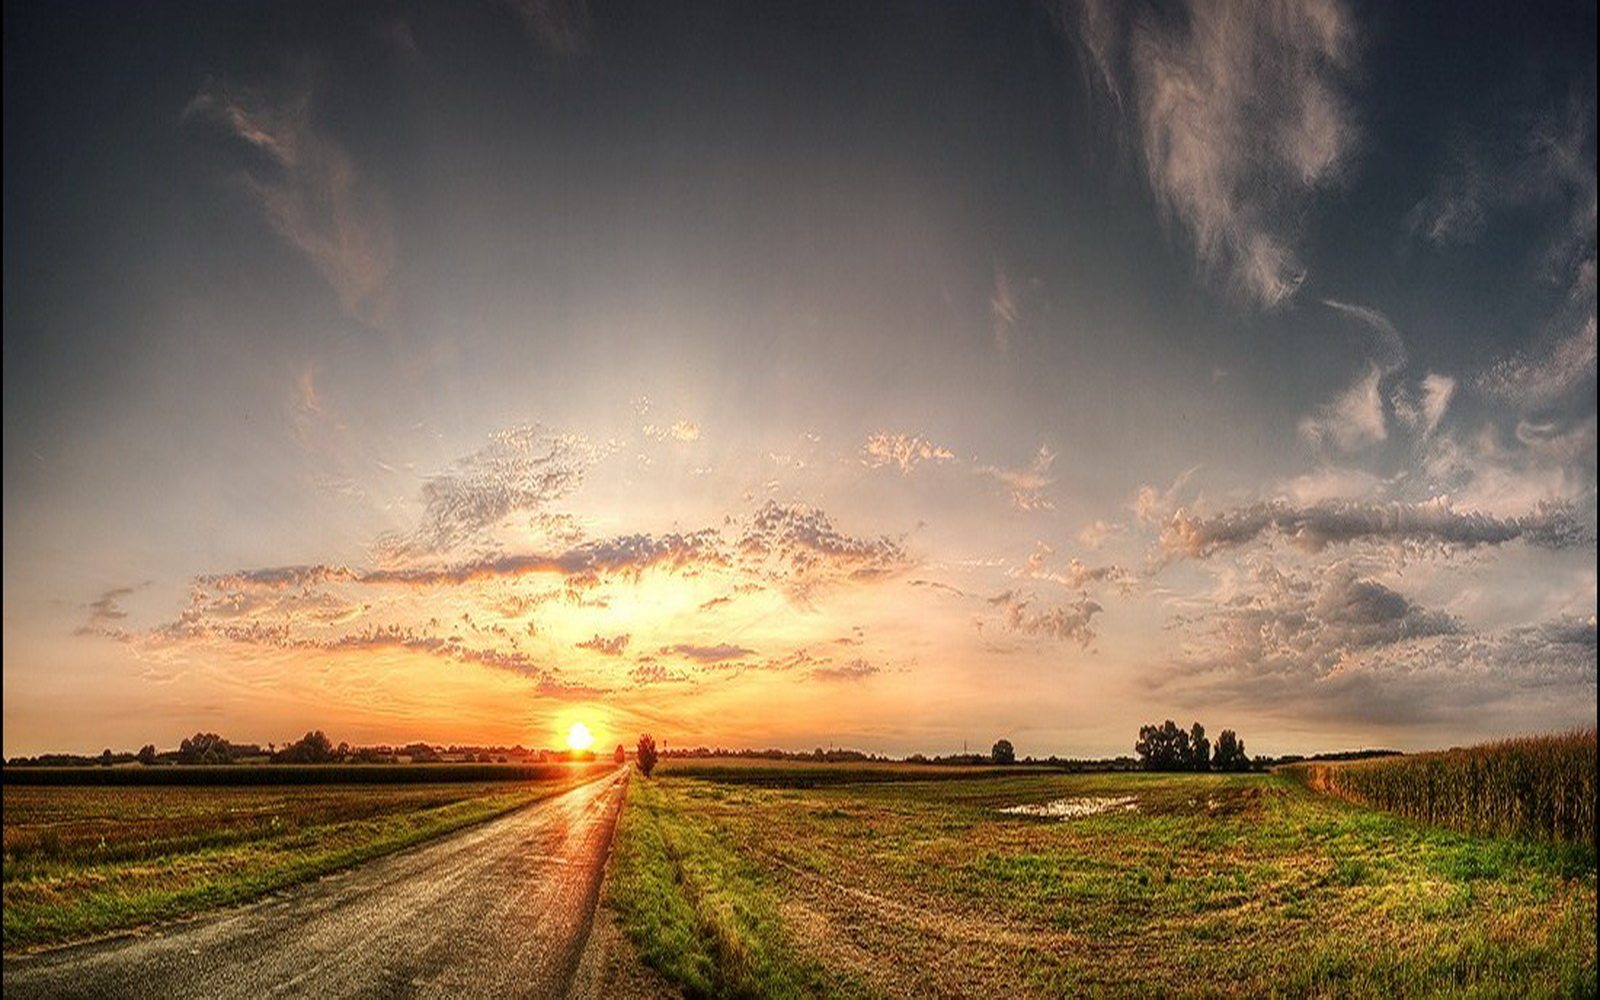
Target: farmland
point(1539, 787)
point(1192, 884)
point(81, 861)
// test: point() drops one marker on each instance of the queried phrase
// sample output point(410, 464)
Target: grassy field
point(1184, 885)
point(81, 861)
point(1539, 787)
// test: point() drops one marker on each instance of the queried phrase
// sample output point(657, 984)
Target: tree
point(1003, 752)
point(105, 757)
point(621, 754)
point(647, 754)
point(1163, 748)
point(147, 754)
point(1230, 755)
point(1199, 748)
point(205, 748)
point(312, 748)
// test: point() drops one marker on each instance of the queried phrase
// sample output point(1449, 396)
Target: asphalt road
point(498, 910)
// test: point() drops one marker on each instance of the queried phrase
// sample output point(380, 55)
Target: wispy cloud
point(902, 451)
point(1354, 420)
point(683, 430)
point(719, 653)
point(1241, 115)
point(1026, 486)
point(1422, 413)
point(1530, 383)
point(520, 469)
point(308, 187)
point(854, 670)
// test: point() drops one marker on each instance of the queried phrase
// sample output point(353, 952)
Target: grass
point(85, 861)
point(1215, 885)
point(1539, 787)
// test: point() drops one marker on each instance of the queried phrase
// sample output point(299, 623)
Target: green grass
point(85, 861)
point(1217, 885)
point(700, 913)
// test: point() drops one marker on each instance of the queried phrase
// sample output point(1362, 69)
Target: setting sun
point(579, 737)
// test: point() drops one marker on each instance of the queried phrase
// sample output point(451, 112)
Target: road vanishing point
point(502, 909)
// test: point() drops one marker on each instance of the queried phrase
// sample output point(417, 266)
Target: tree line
point(1169, 747)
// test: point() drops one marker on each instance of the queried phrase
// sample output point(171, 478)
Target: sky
point(894, 376)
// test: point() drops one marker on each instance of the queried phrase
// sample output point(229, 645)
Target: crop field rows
point(81, 861)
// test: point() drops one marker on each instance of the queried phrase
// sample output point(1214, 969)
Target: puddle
point(1075, 808)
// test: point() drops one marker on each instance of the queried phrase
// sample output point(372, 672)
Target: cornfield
point(1540, 787)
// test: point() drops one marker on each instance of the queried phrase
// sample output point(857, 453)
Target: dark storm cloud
point(1433, 523)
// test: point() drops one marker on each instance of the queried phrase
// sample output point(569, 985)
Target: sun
point(579, 737)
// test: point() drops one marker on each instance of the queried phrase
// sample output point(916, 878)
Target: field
point(1186, 885)
point(1539, 787)
point(81, 861)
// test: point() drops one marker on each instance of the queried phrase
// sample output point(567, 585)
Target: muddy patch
point(1074, 808)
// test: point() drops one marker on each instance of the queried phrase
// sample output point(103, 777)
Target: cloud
point(720, 653)
point(1352, 421)
point(683, 430)
point(1312, 528)
point(1003, 310)
point(1540, 159)
point(308, 188)
point(1070, 622)
point(1340, 646)
point(520, 469)
point(1026, 486)
point(612, 646)
point(854, 670)
point(1241, 117)
point(902, 451)
point(1386, 348)
point(1532, 383)
point(560, 28)
point(799, 547)
point(106, 613)
point(1075, 575)
point(1422, 415)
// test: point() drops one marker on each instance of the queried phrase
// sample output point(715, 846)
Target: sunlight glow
point(579, 737)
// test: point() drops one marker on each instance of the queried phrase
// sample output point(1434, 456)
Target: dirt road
point(500, 910)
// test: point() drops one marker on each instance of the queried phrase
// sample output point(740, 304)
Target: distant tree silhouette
point(1164, 747)
point(1003, 752)
point(1199, 748)
point(620, 755)
point(147, 754)
point(1230, 755)
point(105, 757)
point(205, 748)
point(647, 754)
point(312, 748)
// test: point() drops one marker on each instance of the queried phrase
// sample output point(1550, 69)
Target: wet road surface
point(499, 910)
